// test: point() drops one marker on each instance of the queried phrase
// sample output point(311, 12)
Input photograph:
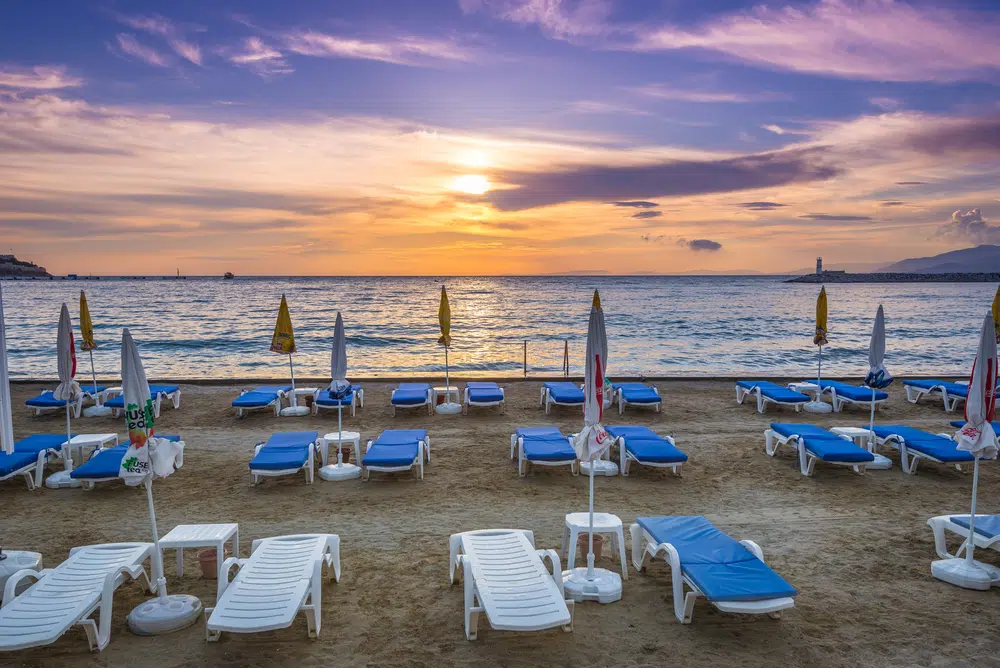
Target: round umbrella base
point(881, 463)
point(604, 586)
point(96, 411)
point(601, 467)
point(817, 407)
point(61, 479)
point(340, 472)
point(295, 411)
point(961, 573)
point(164, 615)
point(448, 409)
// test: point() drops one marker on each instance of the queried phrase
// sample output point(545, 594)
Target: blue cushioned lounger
point(412, 395)
point(105, 464)
point(265, 396)
point(545, 446)
point(814, 443)
point(483, 394)
point(845, 393)
point(158, 394)
point(638, 394)
point(952, 394)
point(987, 534)
point(561, 394)
point(731, 575)
point(767, 392)
point(285, 453)
point(396, 450)
point(914, 445)
point(29, 457)
point(644, 446)
point(352, 399)
point(47, 402)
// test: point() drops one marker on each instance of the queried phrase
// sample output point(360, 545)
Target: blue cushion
point(391, 455)
point(326, 398)
point(401, 437)
point(837, 450)
point(631, 431)
point(280, 458)
point(484, 392)
point(291, 439)
point(940, 448)
point(722, 568)
point(545, 444)
point(38, 442)
point(646, 445)
point(565, 393)
point(987, 525)
point(637, 393)
point(16, 461)
point(45, 400)
point(773, 391)
point(105, 464)
point(804, 430)
point(854, 392)
point(410, 394)
point(119, 401)
point(261, 396)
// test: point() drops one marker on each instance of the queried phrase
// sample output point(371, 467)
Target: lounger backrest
point(401, 436)
point(539, 433)
point(291, 439)
point(632, 431)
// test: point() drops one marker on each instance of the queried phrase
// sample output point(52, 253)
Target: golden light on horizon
point(472, 184)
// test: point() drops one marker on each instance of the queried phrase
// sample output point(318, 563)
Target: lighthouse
point(819, 266)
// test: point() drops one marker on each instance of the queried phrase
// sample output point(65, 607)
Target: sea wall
point(831, 277)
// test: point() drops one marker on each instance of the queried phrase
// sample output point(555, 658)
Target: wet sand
point(857, 547)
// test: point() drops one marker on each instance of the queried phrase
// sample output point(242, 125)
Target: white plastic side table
point(81, 441)
point(604, 523)
point(448, 391)
point(201, 535)
point(345, 437)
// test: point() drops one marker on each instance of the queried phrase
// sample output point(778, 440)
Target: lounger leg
point(640, 558)
point(471, 610)
point(761, 405)
point(769, 446)
point(454, 545)
point(314, 610)
point(619, 538)
point(335, 556)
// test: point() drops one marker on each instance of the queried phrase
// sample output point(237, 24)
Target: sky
point(487, 137)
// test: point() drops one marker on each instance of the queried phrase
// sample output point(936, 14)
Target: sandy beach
point(857, 547)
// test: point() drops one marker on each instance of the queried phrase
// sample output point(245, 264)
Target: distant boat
point(228, 276)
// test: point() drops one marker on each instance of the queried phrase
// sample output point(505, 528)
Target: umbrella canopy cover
point(338, 359)
point(67, 389)
point(593, 440)
point(819, 338)
point(878, 377)
point(283, 340)
point(6, 417)
point(146, 455)
point(996, 313)
point(977, 436)
point(86, 325)
point(444, 318)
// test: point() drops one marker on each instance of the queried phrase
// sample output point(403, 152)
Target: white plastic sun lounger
point(814, 444)
point(506, 578)
point(412, 395)
point(261, 398)
point(283, 576)
point(29, 458)
point(544, 446)
point(483, 394)
point(731, 575)
point(46, 401)
point(322, 399)
point(69, 594)
point(114, 398)
point(285, 453)
point(987, 533)
point(767, 392)
point(560, 394)
point(952, 394)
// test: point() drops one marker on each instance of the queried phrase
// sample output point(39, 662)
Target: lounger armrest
point(556, 566)
point(227, 566)
point(111, 580)
point(15, 580)
point(754, 547)
point(257, 449)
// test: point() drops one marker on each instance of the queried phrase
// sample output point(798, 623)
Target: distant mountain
point(10, 266)
point(983, 258)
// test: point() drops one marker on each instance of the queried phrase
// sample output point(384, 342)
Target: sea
point(657, 326)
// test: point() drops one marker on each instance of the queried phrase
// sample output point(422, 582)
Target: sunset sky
point(496, 136)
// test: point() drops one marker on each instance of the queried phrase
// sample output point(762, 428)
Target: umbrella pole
point(871, 426)
point(68, 462)
point(590, 549)
point(93, 375)
point(340, 432)
point(156, 557)
point(819, 375)
point(291, 371)
point(447, 378)
point(970, 544)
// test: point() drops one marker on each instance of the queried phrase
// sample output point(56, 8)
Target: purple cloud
point(702, 245)
point(970, 227)
point(647, 214)
point(762, 206)
point(640, 204)
point(835, 217)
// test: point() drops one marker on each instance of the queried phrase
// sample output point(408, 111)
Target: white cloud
point(886, 103)
point(565, 19)
point(259, 57)
point(665, 92)
point(776, 129)
point(154, 24)
point(403, 50)
point(40, 77)
point(971, 227)
point(128, 45)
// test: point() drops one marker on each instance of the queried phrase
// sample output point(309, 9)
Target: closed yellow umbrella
point(87, 343)
point(819, 338)
point(283, 342)
point(444, 319)
point(996, 313)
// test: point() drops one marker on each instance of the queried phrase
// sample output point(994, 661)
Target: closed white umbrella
point(339, 389)
point(878, 378)
point(6, 417)
point(67, 390)
point(593, 584)
point(146, 458)
point(978, 438)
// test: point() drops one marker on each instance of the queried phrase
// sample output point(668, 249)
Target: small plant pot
point(209, 561)
point(345, 454)
point(583, 545)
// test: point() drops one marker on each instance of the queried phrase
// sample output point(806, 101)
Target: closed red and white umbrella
point(68, 390)
point(6, 417)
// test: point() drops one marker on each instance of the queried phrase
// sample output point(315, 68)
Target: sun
point(472, 184)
